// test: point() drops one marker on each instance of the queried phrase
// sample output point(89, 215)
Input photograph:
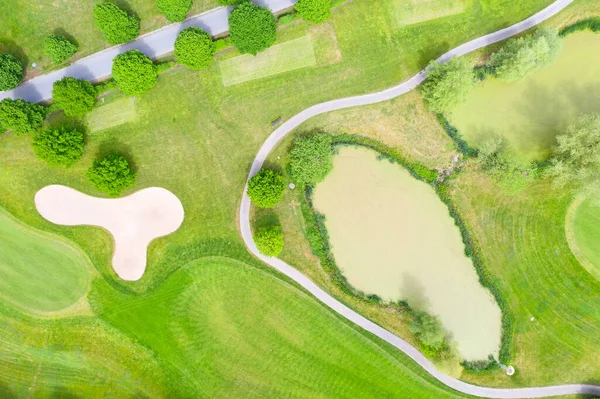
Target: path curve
point(340, 308)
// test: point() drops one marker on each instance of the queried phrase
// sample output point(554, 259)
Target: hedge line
point(592, 24)
point(461, 145)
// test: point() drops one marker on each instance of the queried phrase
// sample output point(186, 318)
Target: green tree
point(252, 28)
point(76, 97)
point(134, 73)
point(20, 116)
point(115, 24)
point(507, 171)
point(174, 10)
point(11, 72)
point(311, 159)
point(429, 331)
point(448, 84)
point(269, 240)
point(576, 158)
point(111, 175)
point(522, 56)
point(230, 2)
point(59, 48)
point(194, 48)
point(61, 146)
point(315, 11)
point(266, 188)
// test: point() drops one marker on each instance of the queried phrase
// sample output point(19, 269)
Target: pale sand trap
point(392, 236)
point(133, 221)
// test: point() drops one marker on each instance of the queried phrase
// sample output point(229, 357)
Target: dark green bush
point(194, 48)
point(592, 24)
point(11, 72)
point(311, 159)
point(266, 188)
point(448, 84)
point(134, 72)
point(230, 2)
point(111, 175)
point(76, 97)
point(59, 147)
point(315, 11)
point(269, 240)
point(59, 48)
point(20, 116)
point(115, 24)
point(252, 28)
point(461, 145)
point(429, 330)
point(479, 366)
point(222, 44)
point(174, 10)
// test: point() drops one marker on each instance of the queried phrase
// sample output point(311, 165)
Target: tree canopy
point(448, 84)
point(61, 146)
point(266, 188)
point(59, 48)
point(174, 10)
point(11, 72)
point(509, 173)
point(116, 24)
point(521, 56)
point(576, 159)
point(429, 331)
point(311, 159)
point(134, 73)
point(315, 11)
point(194, 48)
point(111, 175)
point(269, 240)
point(76, 97)
point(20, 116)
point(252, 28)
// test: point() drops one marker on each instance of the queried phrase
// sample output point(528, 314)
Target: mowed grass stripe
point(112, 114)
point(284, 57)
point(415, 11)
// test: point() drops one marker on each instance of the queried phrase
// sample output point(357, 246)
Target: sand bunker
point(134, 221)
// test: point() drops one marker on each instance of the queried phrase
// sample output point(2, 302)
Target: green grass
point(416, 11)
point(294, 54)
point(39, 272)
point(112, 114)
point(583, 223)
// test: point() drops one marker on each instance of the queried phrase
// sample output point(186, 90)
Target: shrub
point(111, 175)
point(315, 11)
point(76, 97)
point(287, 18)
point(222, 44)
point(59, 48)
point(252, 28)
point(230, 2)
point(11, 72)
point(194, 48)
point(62, 146)
point(269, 240)
point(429, 331)
point(522, 56)
point(134, 72)
point(592, 24)
point(507, 171)
point(20, 116)
point(311, 159)
point(447, 85)
point(266, 188)
point(164, 66)
point(115, 24)
point(174, 10)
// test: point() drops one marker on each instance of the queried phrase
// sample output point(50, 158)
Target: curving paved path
point(343, 310)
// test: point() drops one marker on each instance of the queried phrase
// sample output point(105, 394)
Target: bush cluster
point(59, 48)
point(20, 116)
point(430, 332)
point(11, 72)
point(134, 72)
point(448, 84)
point(269, 240)
point(115, 24)
point(111, 175)
point(76, 97)
point(252, 28)
point(194, 48)
point(316, 11)
point(174, 10)
point(266, 188)
point(59, 147)
point(311, 159)
point(592, 24)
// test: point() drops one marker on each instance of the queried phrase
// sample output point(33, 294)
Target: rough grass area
point(583, 233)
point(39, 272)
point(112, 114)
point(410, 12)
point(284, 57)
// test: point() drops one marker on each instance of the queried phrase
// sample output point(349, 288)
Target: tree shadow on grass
point(266, 217)
point(114, 146)
point(9, 46)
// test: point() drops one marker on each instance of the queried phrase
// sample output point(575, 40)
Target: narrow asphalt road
point(154, 44)
point(343, 310)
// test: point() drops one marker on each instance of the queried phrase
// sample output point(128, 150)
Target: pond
point(392, 236)
point(529, 114)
